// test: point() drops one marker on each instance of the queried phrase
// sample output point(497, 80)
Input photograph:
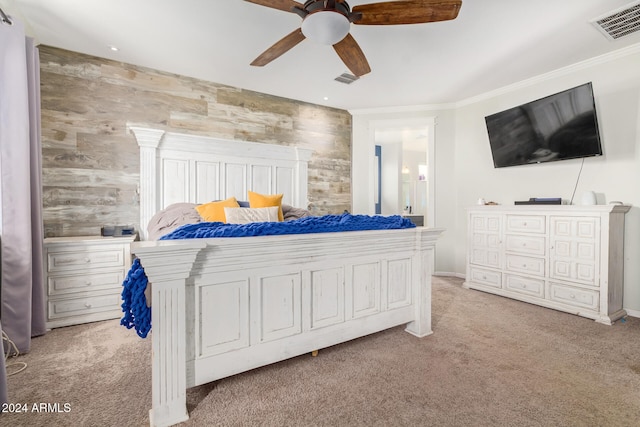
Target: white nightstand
point(83, 278)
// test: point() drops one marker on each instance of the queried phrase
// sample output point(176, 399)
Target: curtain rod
point(5, 18)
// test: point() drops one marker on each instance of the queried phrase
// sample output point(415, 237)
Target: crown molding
point(591, 62)
point(588, 63)
point(402, 109)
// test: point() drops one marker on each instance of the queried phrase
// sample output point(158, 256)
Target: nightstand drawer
point(83, 306)
point(88, 258)
point(64, 284)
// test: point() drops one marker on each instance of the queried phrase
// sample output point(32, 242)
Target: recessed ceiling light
point(326, 98)
point(113, 48)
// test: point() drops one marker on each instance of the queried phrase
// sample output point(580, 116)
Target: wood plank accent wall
point(91, 164)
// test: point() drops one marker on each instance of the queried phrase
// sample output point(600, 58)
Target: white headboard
point(198, 169)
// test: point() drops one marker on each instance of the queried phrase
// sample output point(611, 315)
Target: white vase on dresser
point(565, 257)
point(83, 278)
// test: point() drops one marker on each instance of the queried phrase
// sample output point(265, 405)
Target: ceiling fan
point(329, 21)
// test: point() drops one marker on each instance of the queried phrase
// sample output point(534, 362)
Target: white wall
point(464, 167)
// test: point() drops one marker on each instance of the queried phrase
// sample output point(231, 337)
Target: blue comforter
point(136, 313)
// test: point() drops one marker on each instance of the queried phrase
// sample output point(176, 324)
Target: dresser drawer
point(61, 284)
point(524, 285)
point(525, 264)
point(83, 306)
point(526, 223)
point(574, 296)
point(486, 277)
point(89, 257)
point(523, 244)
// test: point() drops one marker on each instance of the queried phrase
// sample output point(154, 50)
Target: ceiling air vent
point(346, 78)
point(620, 22)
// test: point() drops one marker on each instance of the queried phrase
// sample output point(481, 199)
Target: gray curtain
point(22, 302)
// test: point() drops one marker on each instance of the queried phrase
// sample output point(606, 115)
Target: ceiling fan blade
point(407, 12)
point(286, 5)
point(349, 51)
point(280, 47)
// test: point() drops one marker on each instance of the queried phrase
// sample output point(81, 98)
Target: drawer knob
point(87, 260)
point(572, 296)
point(87, 305)
point(524, 286)
point(525, 224)
point(87, 283)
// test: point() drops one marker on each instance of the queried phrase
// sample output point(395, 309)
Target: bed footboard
point(225, 306)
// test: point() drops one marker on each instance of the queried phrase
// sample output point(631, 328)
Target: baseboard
point(449, 274)
point(632, 313)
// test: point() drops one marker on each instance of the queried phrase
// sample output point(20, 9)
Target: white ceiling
point(491, 44)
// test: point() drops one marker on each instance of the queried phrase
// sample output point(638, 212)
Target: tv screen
point(558, 127)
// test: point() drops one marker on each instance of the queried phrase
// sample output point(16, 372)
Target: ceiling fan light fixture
point(326, 27)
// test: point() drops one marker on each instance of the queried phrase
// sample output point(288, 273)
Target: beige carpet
point(491, 361)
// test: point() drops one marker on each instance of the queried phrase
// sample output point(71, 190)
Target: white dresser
point(568, 258)
point(83, 278)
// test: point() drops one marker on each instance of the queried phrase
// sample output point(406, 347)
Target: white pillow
point(248, 215)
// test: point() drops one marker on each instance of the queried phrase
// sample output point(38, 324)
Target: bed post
point(425, 247)
point(167, 271)
point(148, 141)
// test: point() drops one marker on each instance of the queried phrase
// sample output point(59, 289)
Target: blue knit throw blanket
point(134, 306)
point(134, 303)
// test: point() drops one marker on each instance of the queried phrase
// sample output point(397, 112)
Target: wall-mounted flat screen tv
point(558, 127)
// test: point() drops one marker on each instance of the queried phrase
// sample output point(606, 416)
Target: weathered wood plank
point(94, 152)
point(257, 102)
point(63, 127)
point(53, 197)
point(75, 177)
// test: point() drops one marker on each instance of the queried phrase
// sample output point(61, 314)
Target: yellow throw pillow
point(257, 200)
point(214, 211)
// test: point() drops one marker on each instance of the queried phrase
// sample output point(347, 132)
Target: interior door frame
point(428, 123)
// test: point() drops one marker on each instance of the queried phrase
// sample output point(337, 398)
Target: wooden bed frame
point(228, 305)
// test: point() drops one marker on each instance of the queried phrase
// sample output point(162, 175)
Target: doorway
point(405, 178)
